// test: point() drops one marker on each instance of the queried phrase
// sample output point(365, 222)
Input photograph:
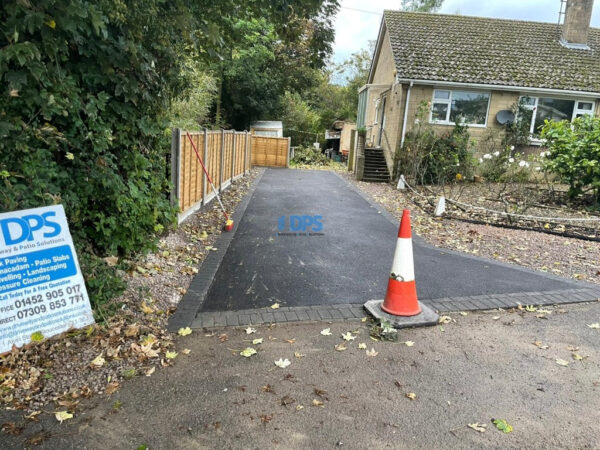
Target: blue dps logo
point(300, 225)
point(15, 230)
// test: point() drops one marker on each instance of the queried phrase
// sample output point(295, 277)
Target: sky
point(354, 29)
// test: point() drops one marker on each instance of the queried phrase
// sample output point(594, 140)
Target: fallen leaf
point(409, 343)
point(463, 313)
point(410, 395)
point(321, 393)
point(372, 352)
point(316, 402)
point(445, 319)
point(299, 355)
point(502, 425)
point(478, 426)
point(171, 355)
point(98, 361)
point(539, 344)
point(265, 419)
point(299, 407)
point(275, 306)
point(37, 337)
point(184, 331)
point(364, 319)
point(326, 332)
point(283, 363)
point(61, 416)
point(287, 400)
point(223, 337)
point(267, 388)
point(111, 261)
point(594, 325)
point(248, 352)
point(132, 330)
point(145, 308)
point(340, 347)
point(250, 330)
point(257, 341)
point(11, 428)
point(186, 351)
point(348, 336)
point(290, 341)
point(530, 308)
point(111, 387)
point(362, 346)
point(562, 362)
point(150, 371)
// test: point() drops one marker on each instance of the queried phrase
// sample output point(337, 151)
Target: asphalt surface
point(484, 366)
point(348, 261)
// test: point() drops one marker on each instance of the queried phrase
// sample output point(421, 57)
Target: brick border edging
point(190, 304)
point(350, 311)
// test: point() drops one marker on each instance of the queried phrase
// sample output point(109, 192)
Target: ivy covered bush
point(83, 107)
point(574, 154)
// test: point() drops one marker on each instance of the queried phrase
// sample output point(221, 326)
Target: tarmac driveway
point(348, 259)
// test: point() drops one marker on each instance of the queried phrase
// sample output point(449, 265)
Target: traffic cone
point(401, 296)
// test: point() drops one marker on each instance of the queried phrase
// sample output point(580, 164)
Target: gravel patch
point(562, 256)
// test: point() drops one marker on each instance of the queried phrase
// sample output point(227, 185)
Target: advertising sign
point(41, 286)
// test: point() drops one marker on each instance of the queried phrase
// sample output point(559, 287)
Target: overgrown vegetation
point(574, 154)
point(435, 158)
point(310, 157)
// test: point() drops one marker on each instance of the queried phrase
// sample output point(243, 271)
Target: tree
point(422, 5)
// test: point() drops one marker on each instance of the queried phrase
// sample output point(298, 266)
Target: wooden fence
point(226, 155)
point(270, 151)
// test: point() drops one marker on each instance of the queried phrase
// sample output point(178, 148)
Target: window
point(540, 109)
point(464, 107)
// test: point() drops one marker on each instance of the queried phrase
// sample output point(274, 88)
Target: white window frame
point(576, 110)
point(448, 102)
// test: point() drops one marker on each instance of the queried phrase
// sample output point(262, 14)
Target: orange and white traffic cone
point(401, 296)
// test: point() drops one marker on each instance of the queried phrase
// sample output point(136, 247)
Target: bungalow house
point(472, 70)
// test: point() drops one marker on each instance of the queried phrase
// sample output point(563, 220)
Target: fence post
point(204, 178)
point(246, 154)
point(233, 157)
point(175, 161)
point(287, 159)
point(222, 160)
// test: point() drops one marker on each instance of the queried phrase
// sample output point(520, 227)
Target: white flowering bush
point(505, 166)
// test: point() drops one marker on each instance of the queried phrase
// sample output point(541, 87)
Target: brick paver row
point(346, 311)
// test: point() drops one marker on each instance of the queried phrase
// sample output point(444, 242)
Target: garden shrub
point(574, 154)
point(431, 158)
point(309, 156)
point(83, 112)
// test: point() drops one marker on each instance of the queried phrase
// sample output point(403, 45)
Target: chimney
point(578, 17)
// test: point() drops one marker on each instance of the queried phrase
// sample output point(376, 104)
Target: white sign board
point(41, 286)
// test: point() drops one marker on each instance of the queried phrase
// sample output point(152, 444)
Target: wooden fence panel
point(270, 151)
point(226, 155)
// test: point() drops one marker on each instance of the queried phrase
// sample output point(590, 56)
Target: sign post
point(41, 286)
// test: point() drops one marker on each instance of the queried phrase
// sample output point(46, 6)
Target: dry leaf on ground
point(481, 427)
point(283, 363)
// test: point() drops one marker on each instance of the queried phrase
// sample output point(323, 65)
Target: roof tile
point(502, 52)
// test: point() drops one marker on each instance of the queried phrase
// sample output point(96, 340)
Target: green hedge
point(83, 109)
